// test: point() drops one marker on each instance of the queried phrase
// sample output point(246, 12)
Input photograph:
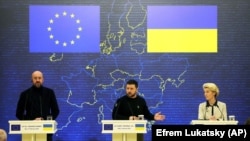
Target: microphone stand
point(220, 112)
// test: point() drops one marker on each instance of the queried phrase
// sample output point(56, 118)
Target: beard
point(38, 85)
point(131, 95)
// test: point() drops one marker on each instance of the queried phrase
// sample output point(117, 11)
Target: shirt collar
point(215, 104)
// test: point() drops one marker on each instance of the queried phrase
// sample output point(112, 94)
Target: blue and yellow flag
point(64, 29)
point(47, 127)
point(182, 29)
point(140, 127)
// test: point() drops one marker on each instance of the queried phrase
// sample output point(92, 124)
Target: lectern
point(33, 130)
point(125, 130)
point(214, 122)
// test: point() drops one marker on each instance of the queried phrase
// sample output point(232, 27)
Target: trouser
point(49, 137)
point(140, 137)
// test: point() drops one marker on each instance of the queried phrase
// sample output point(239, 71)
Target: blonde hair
point(3, 135)
point(212, 87)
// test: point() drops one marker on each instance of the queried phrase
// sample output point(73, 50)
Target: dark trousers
point(49, 137)
point(140, 137)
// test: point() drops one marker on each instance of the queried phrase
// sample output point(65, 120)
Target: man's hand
point(133, 118)
point(159, 116)
point(39, 118)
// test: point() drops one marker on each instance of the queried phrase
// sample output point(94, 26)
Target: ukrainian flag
point(47, 127)
point(182, 29)
point(139, 127)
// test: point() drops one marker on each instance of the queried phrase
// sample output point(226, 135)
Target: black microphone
point(205, 113)
point(220, 112)
point(25, 106)
point(130, 109)
point(117, 105)
point(41, 108)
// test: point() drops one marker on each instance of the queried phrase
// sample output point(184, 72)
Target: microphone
point(130, 109)
point(205, 113)
point(41, 108)
point(25, 106)
point(117, 105)
point(220, 112)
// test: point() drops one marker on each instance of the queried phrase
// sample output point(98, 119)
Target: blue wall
point(87, 84)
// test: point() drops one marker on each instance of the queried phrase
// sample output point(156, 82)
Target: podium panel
point(125, 130)
point(33, 130)
point(214, 122)
point(34, 137)
point(124, 137)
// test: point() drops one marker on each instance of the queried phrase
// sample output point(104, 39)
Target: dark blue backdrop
point(87, 84)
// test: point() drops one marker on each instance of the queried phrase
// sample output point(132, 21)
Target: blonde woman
point(212, 108)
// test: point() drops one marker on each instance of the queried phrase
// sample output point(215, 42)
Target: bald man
point(37, 102)
point(3, 135)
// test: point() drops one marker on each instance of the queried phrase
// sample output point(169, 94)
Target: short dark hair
point(132, 81)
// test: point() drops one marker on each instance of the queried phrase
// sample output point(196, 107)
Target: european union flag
point(182, 29)
point(64, 29)
point(15, 127)
point(108, 127)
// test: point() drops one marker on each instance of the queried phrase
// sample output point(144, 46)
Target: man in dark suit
point(37, 102)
